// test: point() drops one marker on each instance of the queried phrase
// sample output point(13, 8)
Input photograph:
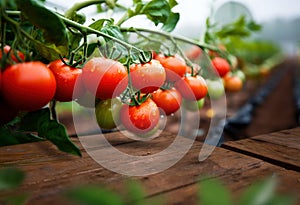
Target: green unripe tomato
point(215, 88)
point(240, 74)
point(107, 113)
point(193, 105)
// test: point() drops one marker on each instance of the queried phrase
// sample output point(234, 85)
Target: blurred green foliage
point(211, 191)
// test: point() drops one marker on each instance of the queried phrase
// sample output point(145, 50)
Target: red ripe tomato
point(7, 48)
point(168, 100)
point(66, 78)
point(6, 113)
point(147, 77)
point(28, 86)
point(140, 119)
point(194, 52)
point(221, 66)
point(192, 87)
point(106, 78)
point(175, 66)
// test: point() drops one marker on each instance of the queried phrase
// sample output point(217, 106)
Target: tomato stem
point(187, 61)
point(89, 30)
point(80, 27)
point(153, 40)
point(53, 110)
point(168, 35)
point(80, 5)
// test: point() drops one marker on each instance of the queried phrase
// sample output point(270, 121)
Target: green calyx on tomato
point(108, 112)
point(28, 86)
point(140, 119)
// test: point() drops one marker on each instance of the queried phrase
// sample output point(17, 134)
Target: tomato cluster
point(134, 95)
point(166, 80)
point(233, 80)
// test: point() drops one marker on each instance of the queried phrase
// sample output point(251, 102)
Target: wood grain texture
point(49, 173)
point(281, 148)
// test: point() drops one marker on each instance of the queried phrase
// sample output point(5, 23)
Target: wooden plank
point(289, 138)
point(50, 172)
point(236, 185)
point(281, 148)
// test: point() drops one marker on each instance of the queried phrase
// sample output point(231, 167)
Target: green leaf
point(135, 193)
point(97, 25)
point(282, 200)
point(137, 1)
point(8, 136)
point(53, 28)
point(173, 3)
point(39, 121)
point(50, 51)
point(113, 31)
point(260, 193)
point(10, 178)
point(56, 133)
point(252, 26)
point(212, 192)
point(32, 120)
point(138, 9)
point(171, 22)
point(93, 195)
point(157, 11)
point(16, 199)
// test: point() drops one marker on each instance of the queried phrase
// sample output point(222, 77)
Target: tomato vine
point(37, 33)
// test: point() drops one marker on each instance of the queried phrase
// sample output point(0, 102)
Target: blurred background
point(280, 19)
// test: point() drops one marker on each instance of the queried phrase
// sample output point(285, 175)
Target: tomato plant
point(108, 112)
point(103, 52)
point(192, 87)
point(104, 77)
point(66, 77)
point(168, 100)
point(140, 119)
point(147, 77)
point(28, 86)
point(175, 66)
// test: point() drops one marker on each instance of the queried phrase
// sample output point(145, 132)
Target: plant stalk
point(77, 6)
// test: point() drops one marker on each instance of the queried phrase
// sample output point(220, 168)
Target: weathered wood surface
point(50, 172)
point(281, 148)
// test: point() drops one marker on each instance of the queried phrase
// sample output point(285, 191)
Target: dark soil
point(278, 109)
